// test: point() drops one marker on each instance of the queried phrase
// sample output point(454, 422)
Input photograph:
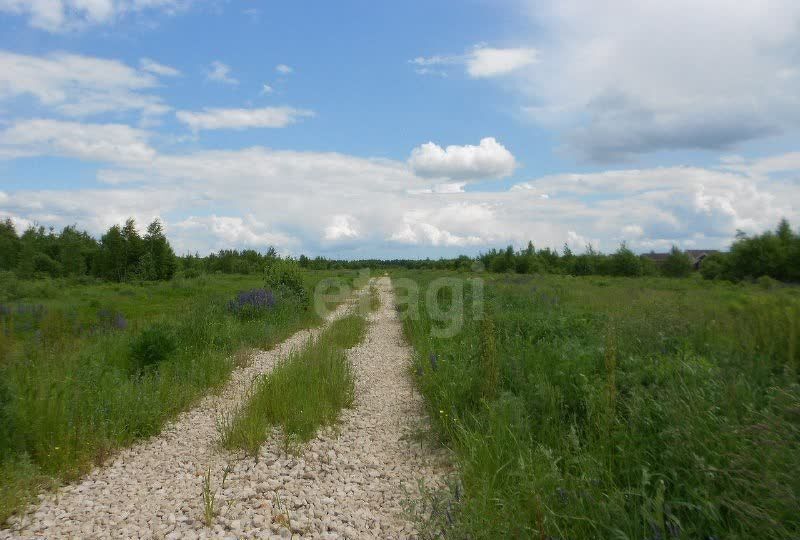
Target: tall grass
point(622, 408)
point(78, 382)
point(306, 390)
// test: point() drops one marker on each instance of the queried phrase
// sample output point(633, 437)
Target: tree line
point(121, 254)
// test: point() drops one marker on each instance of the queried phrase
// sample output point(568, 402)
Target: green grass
point(303, 392)
point(74, 387)
point(616, 408)
point(374, 298)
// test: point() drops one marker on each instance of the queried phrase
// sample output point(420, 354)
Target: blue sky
point(359, 129)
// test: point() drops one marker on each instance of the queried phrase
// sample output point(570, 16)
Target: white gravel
point(349, 482)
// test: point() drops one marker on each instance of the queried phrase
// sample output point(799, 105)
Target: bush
point(285, 278)
point(191, 273)
point(625, 263)
point(154, 345)
point(678, 264)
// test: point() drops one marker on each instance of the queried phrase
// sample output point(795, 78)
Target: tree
point(677, 264)
point(625, 263)
point(157, 246)
point(134, 246)
point(9, 245)
point(112, 260)
point(71, 252)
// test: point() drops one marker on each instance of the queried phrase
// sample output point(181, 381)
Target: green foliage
point(649, 408)
point(67, 397)
point(285, 278)
point(678, 264)
point(774, 254)
point(301, 393)
point(625, 263)
point(152, 346)
point(9, 245)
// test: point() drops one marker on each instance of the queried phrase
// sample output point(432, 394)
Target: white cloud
point(267, 117)
point(221, 232)
point(491, 62)
point(330, 203)
point(480, 62)
point(283, 69)
point(267, 89)
point(342, 227)
point(94, 142)
point(489, 159)
point(76, 85)
point(220, 72)
point(65, 15)
point(621, 78)
point(158, 69)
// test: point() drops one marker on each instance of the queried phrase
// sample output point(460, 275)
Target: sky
point(356, 129)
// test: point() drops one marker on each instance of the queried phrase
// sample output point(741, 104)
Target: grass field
point(86, 368)
point(614, 407)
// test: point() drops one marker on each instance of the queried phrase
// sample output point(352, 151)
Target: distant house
point(697, 256)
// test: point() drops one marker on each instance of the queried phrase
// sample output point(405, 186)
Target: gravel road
point(349, 482)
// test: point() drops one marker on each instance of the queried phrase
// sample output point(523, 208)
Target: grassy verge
point(89, 368)
point(615, 408)
point(303, 392)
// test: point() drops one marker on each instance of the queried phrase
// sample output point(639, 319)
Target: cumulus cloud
point(342, 227)
point(76, 85)
point(222, 232)
point(283, 69)
point(219, 72)
point(489, 159)
point(620, 79)
point(65, 15)
point(267, 117)
point(336, 204)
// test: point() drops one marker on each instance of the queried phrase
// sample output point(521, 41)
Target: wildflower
point(251, 303)
point(119, 321)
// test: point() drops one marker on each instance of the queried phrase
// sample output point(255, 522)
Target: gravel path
point(349, 482)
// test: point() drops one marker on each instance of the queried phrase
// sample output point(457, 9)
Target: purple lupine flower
point(251, 303)
point(120, 323)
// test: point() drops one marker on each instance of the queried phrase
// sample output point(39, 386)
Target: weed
point(374, 298)
point(209, 499)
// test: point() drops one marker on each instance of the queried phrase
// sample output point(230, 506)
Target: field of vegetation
point(603, 407)
point(87, 367)
point(303, 392)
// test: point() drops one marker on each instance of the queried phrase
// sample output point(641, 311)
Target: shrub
point(191, 273)
point(285, 277)
point(678, 264)
point(154, 345)
point(625, 263)
point(714, 266)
